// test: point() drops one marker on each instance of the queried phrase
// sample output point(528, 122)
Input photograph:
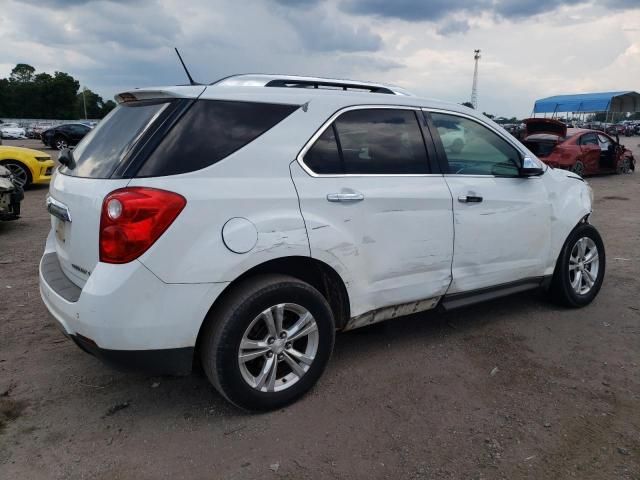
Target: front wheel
point(580, 268)
point(268, 342)
point(21, 174)
point(61, 143)
point(578, 168)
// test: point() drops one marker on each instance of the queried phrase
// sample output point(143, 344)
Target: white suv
point(244, 222)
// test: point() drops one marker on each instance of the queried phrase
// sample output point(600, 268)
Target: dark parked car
point(64, 136)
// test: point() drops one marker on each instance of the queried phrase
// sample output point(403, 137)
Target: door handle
point(470, 199)
point(345, 197)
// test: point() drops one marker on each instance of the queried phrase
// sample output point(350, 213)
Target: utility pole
point(474, 88)
point(84, 101)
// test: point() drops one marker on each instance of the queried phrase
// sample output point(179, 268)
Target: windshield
point(103, 148)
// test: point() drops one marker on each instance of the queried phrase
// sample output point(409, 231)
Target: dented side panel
point(505, 237)
point(396, 243)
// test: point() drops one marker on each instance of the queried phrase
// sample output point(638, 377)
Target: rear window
point(101, 151)
point(210, 131)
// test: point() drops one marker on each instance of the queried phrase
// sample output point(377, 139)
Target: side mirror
point(66, 158)
point(530, 168)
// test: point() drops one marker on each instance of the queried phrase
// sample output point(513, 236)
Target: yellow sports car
point(27, 166)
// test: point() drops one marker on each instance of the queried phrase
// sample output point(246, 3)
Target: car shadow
point(192, 397)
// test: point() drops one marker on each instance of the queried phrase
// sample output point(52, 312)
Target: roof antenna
point(191, 81)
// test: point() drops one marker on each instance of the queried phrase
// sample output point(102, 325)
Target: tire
point(624, 167)
point(60, 143)
point(20, 172)
point(564, 287)
point(240, 319)
point(578, 168)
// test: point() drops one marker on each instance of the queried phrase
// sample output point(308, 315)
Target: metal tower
point(474, 88)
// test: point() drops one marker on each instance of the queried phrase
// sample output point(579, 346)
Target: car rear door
point(502, 221)
point(375, 209)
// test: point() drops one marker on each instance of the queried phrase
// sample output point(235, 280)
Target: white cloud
point(112, 46)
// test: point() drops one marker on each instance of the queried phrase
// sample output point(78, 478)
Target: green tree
point(22, 73)
point(27, 94)
point(96, 107)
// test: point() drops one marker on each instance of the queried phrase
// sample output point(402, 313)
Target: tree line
point(27, 94)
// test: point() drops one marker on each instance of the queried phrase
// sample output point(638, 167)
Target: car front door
point(607, 152)
point(590, 152)
point(376, 210)
point(501, 220)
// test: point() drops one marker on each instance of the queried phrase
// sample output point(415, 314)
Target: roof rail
point(294, 81)
point(328, 84)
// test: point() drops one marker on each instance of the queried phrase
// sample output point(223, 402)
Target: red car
point(585, 152)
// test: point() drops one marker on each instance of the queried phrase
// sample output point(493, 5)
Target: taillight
point(133, 218)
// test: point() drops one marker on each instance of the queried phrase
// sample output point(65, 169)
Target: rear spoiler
point(182, 91)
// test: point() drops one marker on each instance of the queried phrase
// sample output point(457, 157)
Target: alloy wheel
point(278, 347)
point(583, 265)
point(61, 144)
point(19, 174)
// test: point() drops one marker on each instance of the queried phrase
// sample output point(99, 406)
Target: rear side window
point(378, 141)
point(210, 131)
point(100, 152)
point(324, 156)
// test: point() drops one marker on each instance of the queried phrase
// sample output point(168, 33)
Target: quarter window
point(473, 149)
point(210, 131)
point(377, 141)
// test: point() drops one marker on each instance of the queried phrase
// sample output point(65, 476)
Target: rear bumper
point(126, 316)
point(170, 361)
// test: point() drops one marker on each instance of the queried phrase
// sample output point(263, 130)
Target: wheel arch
point(310, 270)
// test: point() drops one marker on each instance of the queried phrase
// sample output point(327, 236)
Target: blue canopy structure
point(628, 101)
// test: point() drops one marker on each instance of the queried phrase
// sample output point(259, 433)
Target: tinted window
point(381, 141)
point(100, 152)
point(473, 149)
point(324, 157)
point(210, 131)
point(78, 129)
point(589, 139)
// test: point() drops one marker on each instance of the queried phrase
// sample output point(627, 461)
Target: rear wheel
point(21, 174)
point(580, 268)
point(268, 342)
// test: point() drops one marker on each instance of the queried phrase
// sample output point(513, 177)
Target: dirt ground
point(514, 388)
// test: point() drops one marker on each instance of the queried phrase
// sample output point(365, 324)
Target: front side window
point(376, 141)
point(605, 142)
point(589, 139)
point(473, 149)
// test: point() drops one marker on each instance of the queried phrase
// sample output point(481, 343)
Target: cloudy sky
point(530, 48)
